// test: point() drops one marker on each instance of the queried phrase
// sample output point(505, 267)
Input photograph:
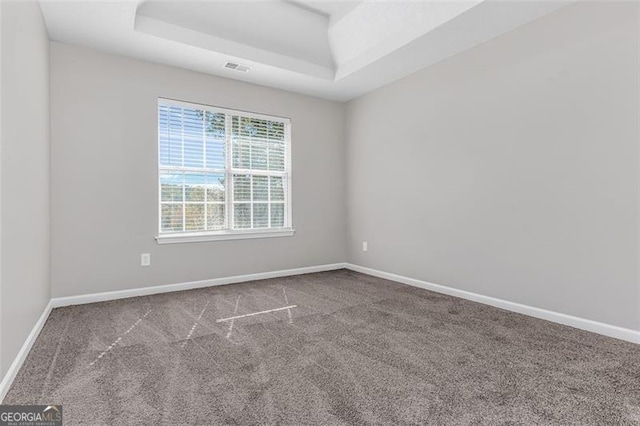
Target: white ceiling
point(332, 49)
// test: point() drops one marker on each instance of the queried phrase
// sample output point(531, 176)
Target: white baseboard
point(581, 323)
point(24, 351)
point(146, 291)
point(576, 322)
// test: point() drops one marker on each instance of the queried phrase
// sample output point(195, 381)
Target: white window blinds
point(221, 170)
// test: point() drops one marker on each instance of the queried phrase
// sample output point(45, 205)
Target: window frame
point(167, 237)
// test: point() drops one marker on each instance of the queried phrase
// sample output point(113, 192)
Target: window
point(223, 174)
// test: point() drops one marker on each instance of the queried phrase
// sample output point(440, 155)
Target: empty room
point(294, 212)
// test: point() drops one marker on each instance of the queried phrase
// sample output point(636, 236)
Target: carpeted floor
point(336, 348)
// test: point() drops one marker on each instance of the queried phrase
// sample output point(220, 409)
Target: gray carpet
point(339, 348)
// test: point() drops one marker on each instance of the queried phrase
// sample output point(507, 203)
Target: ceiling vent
point(236, 67)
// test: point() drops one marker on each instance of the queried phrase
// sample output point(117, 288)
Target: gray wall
point(24, 174)
point(104, 168)
point(510, 170)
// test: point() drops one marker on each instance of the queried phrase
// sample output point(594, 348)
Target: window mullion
point(251, 184)
point(192, 169)
point(287, 178)
point(182, 134)
point(268, 202)
point(250, 198)
point(184, 183)
point(204, 163)
point(268, 142)
point(260, 172)
point(184, 203)
point(228, 129)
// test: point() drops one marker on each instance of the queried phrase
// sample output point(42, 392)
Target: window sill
point(198, 237)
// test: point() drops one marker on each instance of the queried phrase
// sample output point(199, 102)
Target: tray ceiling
point(332, 49)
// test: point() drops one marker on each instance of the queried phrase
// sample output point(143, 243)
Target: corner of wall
point(2, 369)
point(48, 103)
point(347, 171)
point(24, 139)
point(345, 176)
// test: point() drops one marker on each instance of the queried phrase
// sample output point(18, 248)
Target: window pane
point(277, 188)
point(261, 215)
point(241, 188)
point(194, 217)
point(216, 216)
point(163, 134)
point(171, 217)
point(258, 156)
point(215, 140)
point(194, 186)
point(258, 144)
point(241, 146)
point(242, 216)
point(174, 136)
point(193, 153)
point(171, 186)
point(277, 215)
point(241, 154)
point(193, 134)
point(246, 127)
point(276, 157)
point(276, 131)
point(185, 133)
point(260, 188)
point(215, 187)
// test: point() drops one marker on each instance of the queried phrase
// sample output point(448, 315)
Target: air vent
point(236, 67)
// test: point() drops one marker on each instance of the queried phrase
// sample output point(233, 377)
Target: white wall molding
point(24, 351)
point(557, 317)
point(146, 291)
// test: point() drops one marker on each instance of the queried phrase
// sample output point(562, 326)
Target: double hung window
point(223, 174)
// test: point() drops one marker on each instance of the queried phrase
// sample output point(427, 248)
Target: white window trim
point(199, 237)
point(228, 234)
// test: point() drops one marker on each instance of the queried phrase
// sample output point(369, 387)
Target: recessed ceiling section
point(333, 49)
point(334, 10)
point(281, 34)
point(372, 30)
point(327, 40)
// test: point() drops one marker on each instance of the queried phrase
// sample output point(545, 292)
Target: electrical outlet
point(145, 259)
point(365, 246)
